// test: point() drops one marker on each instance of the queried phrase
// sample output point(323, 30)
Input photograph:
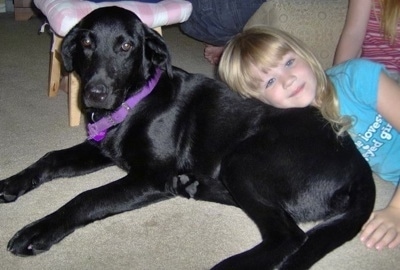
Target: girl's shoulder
point(359, 72)
point(357, 66)
point(357, 79)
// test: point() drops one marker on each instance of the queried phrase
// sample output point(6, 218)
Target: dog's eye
point(126, 46)
point(86, 42)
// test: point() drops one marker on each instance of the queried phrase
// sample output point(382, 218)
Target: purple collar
point(98, 130)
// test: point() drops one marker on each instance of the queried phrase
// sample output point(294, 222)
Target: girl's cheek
point(261, 97)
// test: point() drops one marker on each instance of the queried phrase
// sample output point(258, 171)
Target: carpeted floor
point(173, 235)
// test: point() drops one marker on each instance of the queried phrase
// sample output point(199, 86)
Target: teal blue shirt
point(356, 82)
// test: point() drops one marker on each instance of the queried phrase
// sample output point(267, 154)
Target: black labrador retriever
point(180, 134)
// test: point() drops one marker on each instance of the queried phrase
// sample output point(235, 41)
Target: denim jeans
point(217, 21)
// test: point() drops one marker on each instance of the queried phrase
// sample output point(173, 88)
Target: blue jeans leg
point(217, 21)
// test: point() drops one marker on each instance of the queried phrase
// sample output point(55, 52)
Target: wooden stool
point(62, 15)
point(23, 10)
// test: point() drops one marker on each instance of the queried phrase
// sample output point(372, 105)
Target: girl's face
point(290, 84)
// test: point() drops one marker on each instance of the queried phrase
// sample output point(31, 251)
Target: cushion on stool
point(62, 15)
point(146, 1)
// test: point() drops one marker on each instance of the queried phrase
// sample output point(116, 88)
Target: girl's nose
point(288, 81)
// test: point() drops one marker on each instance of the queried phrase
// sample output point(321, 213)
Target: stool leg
point(22, 13)
point(55, 66)
point(73, 100)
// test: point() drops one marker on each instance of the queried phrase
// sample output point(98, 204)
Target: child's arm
point(354, 30)
point(383, 228)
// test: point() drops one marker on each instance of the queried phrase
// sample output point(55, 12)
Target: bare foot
point(213, 53)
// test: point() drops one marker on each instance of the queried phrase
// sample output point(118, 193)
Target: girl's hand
point(382, 229)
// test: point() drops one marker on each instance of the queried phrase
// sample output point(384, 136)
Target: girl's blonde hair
point(262, 47)
point(390, 18)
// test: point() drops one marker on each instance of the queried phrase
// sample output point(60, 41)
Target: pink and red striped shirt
point(376, 47)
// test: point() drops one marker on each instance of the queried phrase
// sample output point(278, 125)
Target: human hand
point(382, 229)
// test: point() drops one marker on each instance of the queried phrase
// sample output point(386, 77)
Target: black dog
point(188, 135)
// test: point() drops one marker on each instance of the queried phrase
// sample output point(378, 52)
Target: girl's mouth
point(297, 91)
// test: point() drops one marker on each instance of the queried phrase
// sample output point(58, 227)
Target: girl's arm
point(354, 30)
point(383, 227)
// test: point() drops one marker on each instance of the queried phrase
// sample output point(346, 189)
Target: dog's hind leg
point(337, 230)
point(281, 234)
point(78, 160)
point(262, 192)
point(281, 237)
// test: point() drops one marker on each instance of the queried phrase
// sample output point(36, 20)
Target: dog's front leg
point(116, 197)
point(80, 159)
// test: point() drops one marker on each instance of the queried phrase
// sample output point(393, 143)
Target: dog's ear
point(157, 51)
point(68, 49)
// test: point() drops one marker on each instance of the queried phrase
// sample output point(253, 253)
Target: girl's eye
point(290, 62)
point(126, 46)
point(269, 83)
point(86, 42)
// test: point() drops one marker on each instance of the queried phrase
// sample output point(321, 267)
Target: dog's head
point(114, 54)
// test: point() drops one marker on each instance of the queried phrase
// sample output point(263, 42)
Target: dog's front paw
point(184, 185)
point(11, 188)
point(5, 196)
point(35, 238)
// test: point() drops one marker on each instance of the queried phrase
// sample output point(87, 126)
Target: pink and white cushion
point(62, 15)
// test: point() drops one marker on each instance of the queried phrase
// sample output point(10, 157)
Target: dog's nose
point(96, 93)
